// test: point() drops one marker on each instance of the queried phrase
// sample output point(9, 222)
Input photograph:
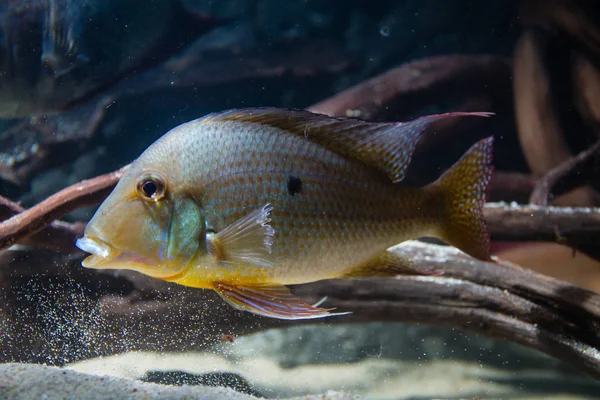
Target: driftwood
point(498, 300)
point(540, 132)
point(578, 228)
point(574, 172)
point(109, 312)
point(556, 81)
point(23, 224)
point(58, 235)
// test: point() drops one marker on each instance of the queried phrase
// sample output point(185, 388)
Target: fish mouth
point(100, 251)
point(104, 256)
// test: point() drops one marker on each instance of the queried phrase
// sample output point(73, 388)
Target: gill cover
point(186, 231)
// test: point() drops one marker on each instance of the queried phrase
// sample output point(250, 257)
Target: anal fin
point(390, 264)
point(273, 301)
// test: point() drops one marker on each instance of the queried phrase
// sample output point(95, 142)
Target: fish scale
point(245, 202)
point(337, 201)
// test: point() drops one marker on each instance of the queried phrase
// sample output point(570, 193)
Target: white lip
point(100, 251)
point(92, 246)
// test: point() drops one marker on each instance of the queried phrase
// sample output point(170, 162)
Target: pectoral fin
point(247, 240)
point(389, 265)
point(273, 301)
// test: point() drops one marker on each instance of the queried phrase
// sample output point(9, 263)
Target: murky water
point(87, 86)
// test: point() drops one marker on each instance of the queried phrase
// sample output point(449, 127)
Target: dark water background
point(368, 37)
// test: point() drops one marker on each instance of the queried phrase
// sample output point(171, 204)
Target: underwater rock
point(299, 346)
point(30, 381)
point(41, 143)
point(180, 378)
point(384, 374)
point(60, 52)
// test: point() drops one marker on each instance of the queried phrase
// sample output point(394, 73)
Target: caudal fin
point(463, 188)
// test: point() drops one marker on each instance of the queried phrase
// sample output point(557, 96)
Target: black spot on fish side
point(294, 185)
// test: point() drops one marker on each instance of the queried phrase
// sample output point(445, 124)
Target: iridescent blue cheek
point(187, 224)
point(163, 240)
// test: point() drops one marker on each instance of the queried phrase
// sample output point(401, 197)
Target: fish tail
point(463, 191)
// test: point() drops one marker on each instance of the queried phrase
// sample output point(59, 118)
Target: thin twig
point(32, 220)
point(58, 235)
point(567, 176)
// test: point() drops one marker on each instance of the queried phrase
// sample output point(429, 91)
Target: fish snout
point(100, 251)
point(105, 256)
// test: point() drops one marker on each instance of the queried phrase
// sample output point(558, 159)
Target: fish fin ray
point(392, 148)
point(247, 240)
point(273, 301)
point(385, 146)
point(464, 188)
point(388, 265)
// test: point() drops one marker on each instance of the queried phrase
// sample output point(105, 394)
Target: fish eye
point(151, 186)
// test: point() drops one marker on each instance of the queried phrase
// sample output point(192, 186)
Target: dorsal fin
point(386, 146)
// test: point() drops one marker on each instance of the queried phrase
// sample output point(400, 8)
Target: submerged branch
point(568, 175)
point(576, 227)
point(458, 82)
point(58, 235)
point(28, 222)
point(497, 300)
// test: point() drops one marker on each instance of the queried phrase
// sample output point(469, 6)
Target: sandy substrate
point(370, 378)
point(374, 361)
point(28, 381)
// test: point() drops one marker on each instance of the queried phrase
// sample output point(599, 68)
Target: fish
point(246, 202)
point(58, 54)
